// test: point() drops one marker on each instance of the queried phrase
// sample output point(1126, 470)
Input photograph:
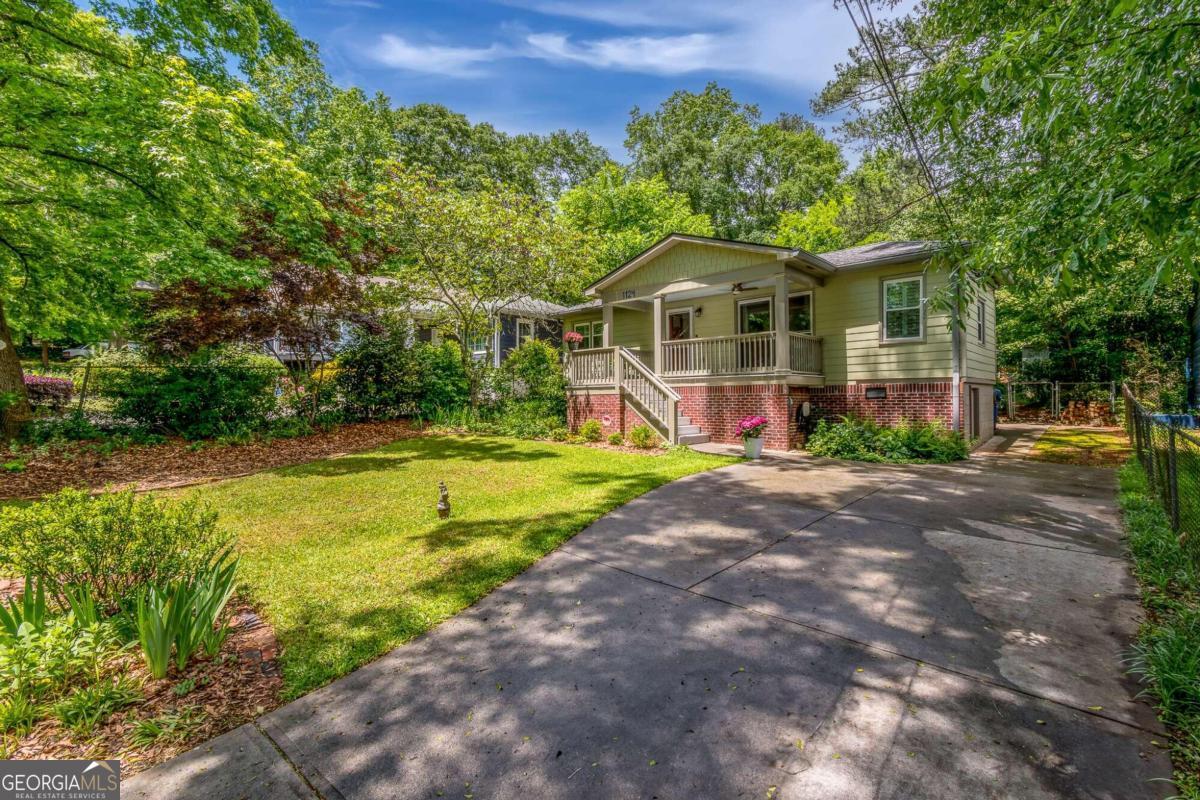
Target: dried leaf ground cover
point(178, 712)
point(347, 557)
point(1089, 447)
point(176, 462)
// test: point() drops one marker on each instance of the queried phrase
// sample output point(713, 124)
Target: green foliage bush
point(1166, 656)
point(111, 543)
point(616, 439)
point(591, 431)
point(385, 376)
point(643, 436)
point(533, 375)
point(863, 440)
point(85, 707)
point(216, 392)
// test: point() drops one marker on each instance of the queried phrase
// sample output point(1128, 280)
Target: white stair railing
point(651, 393)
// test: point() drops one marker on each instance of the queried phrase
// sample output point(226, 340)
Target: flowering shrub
point(863, 440)
point(751, 427)
point(573, 337)
point(46, 390)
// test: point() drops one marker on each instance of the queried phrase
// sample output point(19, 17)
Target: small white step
point(687, 430)
point(694, 438)
point(680, 419)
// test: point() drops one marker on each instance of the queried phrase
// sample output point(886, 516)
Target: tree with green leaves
point(1060, 139)
point(741, 172)
point(623, 215)
point(127, 158)
point(465, 254)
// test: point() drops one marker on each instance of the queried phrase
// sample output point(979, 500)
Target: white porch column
point(607, 337)
point(658, 333)
point(782, 343)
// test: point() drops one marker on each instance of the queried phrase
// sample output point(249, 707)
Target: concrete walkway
point(782, 629)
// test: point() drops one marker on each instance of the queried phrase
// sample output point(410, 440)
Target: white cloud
point(665, 55)
point(794, 43)
point(458, 62)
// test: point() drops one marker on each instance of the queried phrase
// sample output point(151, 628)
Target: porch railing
point(744, 354)
point(595, 367)
point(625, 370)
point(805, 352)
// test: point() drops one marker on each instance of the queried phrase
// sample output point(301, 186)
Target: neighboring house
point(513, 322)
point(687, 337)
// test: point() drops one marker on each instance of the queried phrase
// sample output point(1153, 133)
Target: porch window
point(592, 333)
point(800, 317)
point(903, 309)
point(478, 343)
point(679, 324)
point(754, 316)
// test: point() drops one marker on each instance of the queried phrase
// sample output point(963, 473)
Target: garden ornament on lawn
point(443, 500)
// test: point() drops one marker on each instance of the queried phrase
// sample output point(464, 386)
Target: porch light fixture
point(737, 288)
point(698, 311)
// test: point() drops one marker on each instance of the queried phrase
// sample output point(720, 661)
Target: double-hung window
point(592, 333)
point(903, 309)
point(524, 331)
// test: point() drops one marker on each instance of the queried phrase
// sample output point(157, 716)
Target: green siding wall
point(981, 358)
point(686, 260)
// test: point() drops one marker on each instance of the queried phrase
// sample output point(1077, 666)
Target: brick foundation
point(717, 409)
point(915, 401)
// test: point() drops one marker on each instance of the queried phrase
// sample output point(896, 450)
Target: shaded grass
point(348, 558)
point(1167, 654)
point(1095, 447)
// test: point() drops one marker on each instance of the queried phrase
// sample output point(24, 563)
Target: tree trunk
point(14, 414)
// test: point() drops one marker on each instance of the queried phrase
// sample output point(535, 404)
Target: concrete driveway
point(781, 629)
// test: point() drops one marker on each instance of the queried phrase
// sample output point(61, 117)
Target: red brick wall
point(718, 409)
point(913, 401)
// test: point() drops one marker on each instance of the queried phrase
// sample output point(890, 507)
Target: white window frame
point(532, 329)
point(691, 314)
point(883, 309)
point(737, 317)
point(812, 316)
point(592, 333)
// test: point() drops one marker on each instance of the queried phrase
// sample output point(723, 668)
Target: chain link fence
point(1170, 455)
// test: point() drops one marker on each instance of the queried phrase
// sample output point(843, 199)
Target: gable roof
point(866, 255)
point(820, 263)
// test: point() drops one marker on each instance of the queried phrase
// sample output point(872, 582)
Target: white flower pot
point(753, 446)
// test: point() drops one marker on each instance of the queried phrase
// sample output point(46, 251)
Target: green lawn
point(349, 559)
point(1095, 447)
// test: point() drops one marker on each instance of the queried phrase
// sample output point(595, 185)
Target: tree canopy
point(623, 215)
point(734, 168)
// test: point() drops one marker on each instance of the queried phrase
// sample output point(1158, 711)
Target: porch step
point(687, 430)
point(693, 438)
point(681, 420)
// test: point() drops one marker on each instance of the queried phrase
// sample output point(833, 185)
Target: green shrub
point(214, 393)
point(171, 726)
point(643, 436)
point(18, 713)
point(385, 376)
point(110, 543)
point(86, 707)
point(864, 440)
point(533, 375)
point(39, 664)
point(591, 431)
point(186, 614)
point(1166, 656)
point(616, 439)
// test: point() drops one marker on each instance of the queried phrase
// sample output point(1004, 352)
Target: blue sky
point(540, 65)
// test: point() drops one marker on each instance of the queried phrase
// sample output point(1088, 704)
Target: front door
point(679, 327)
point(755, 355)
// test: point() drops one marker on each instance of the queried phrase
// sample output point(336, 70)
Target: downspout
point(955, 368)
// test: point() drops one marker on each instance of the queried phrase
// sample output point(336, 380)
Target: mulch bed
point(241, 683)
point(179, 463)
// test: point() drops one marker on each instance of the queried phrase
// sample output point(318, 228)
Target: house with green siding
point(695, 333)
